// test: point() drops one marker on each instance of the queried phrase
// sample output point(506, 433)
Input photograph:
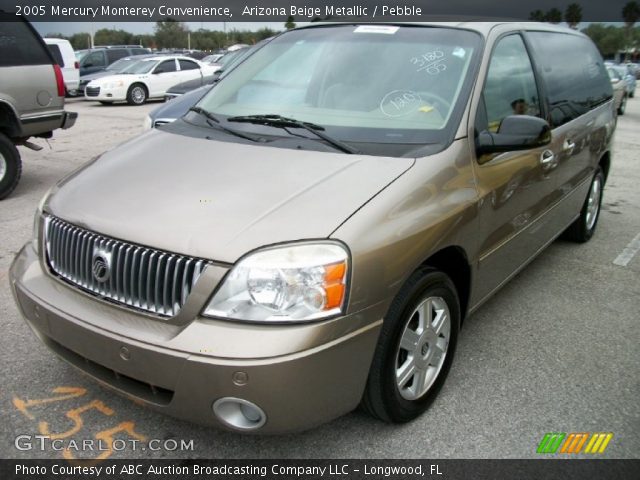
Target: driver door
point(516, 188)
point(164, 76)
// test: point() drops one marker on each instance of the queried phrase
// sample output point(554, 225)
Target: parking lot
point(556, 350)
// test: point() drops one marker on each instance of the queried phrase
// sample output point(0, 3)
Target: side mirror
point(516, 132)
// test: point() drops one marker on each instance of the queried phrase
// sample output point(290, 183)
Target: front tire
point(137, 94)
point(623, 105)
point(585, 226)
point(10, 166)
point(415, 348)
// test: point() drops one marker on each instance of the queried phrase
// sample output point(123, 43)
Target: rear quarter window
point(19, 45)
point(57, 55)
point(573, 72)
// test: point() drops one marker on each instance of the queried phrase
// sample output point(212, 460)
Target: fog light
point(239, 414)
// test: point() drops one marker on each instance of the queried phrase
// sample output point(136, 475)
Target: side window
point(510, 88)
point(18, 44)
point(94, 59)
point(116, 54)
point(139, 51)
point(57, 56)
point(573, 72)
point(166, 66)
point(188, 65)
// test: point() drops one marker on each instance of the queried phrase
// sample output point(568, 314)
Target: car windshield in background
point(80, 54)
point(368, 83)
point(122, 64)
point(141, 66)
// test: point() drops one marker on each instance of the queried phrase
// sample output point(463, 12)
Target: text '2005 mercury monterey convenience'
point(312, 234)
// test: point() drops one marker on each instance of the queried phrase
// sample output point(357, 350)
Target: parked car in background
point(619, 90)
point(99, 58)
point(178, 106)
point(635, 69)
point(32, 92)
point(149, 78)
point(64, 56)
point(628, 77)
point(116, 67)
point(210, 59)
point(312, 235)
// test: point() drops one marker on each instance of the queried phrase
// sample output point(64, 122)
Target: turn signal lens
point(285, 284)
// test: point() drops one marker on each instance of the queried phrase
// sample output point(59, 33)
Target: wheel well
point(605, 164)
point(8, 121)
point(146, 89)
point(453, 261)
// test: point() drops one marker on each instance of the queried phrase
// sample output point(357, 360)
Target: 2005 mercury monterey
point(312, 234)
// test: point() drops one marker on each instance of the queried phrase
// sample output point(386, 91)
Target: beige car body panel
point(492, 214)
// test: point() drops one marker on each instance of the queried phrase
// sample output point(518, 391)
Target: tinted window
point(187, 65)
point(573, 72)
point(94, 59)
point(510, 88)
point(116, 54)
point(166, 66)
point(57, 56)
point(19, 45)
point(139, 51)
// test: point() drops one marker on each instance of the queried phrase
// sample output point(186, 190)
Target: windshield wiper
point(273, 120)
point(214, 122)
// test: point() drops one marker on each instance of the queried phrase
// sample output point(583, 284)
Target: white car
point(64, 56)
point(148, 78)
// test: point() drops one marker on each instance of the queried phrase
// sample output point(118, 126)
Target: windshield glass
point(80, 54)
point(122, 64)
point(368, 83)
point(141, 66)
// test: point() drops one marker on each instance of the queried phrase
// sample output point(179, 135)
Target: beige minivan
point(312, 234)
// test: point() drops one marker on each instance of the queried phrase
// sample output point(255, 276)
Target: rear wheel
point(137, 94)
point(623, 105)
point(584, 227)
point(415, 349)
point(10, 166)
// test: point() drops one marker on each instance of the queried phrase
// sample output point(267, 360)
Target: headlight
point(285, 284)
point(111, 85)
point(37, 223)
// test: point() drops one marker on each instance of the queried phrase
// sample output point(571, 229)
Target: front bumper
point(106, 94)
point(299, 375)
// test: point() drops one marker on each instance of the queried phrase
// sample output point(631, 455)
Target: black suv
point(31, 95)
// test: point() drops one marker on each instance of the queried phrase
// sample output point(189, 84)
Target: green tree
point(106, 36)
point(290, 23)
point(80, 41)
point(553, 16)
point(608, 38)
point(170, 33)
point(537, 16)
point(573, 15)
point(631, 14)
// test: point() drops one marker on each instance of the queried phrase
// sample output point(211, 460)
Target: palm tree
point(537, 16)
point(573, 15)
point(553, 16)
point(631, 14)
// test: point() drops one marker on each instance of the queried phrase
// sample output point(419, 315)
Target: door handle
point(548, 160)
point(568, 146)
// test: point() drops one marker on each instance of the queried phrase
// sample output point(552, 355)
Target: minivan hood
point(218, 200)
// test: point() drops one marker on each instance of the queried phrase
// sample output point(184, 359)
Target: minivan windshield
point(368, 83)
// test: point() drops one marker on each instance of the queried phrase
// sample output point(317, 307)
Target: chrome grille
point(140, 277)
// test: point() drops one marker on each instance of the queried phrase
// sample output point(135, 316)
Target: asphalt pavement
point(556, 350)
